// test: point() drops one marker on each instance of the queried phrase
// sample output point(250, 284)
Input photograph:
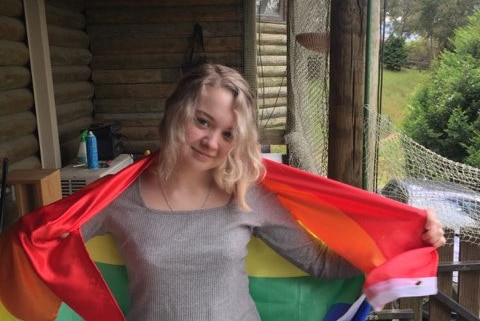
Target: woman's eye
point(201, 122)
point(228, 136)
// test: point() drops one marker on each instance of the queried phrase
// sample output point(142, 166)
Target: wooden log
point(19, 148)
point(272, 28)
point(141, 133)
point(14, 78)
point(270, 92)
point(17, 125)
point(165, 14)
point(67, 56)
point(12, 29)
point(271, 39)
point(130, 120)
point(136, 76)
point(346, 94)
point(13, 53)
point(70, 73)
point(271, 71)
point(64, 18)
point(66, 37)
point(159, 60)
point(273, 112)
point(12, 8)
point(15, 101)
point(134, 91)
point(164, 45)
point(274, 60)
point(123, 106)
point(271, 82)
point(72, 130)
point(271, 50)
point(272, 102)
point(90, 4)
point(71, 111)
point(29, 162)
point(70, 5)
point(140, 146)
point(277, 122)
point(70, 92)
point(162, 30)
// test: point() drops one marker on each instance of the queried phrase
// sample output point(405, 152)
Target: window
point(271, 10)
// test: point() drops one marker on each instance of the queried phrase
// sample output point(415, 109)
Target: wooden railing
point(458, 297)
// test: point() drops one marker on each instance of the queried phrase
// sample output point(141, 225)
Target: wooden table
point(34, 187)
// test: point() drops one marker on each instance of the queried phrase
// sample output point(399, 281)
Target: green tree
point(394, 53)
point(444, 115)
point(433, 20)
point(418, 54)
point(400, 13)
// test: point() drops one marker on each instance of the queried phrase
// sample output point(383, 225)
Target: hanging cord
point(3, 192)
point(197, 54)
point(379, 93)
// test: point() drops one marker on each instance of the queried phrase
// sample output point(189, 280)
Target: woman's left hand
point(434, 233)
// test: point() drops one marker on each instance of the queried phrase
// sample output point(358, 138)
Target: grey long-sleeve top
point(190, 265)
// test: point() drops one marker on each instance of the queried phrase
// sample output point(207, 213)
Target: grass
point(397, 90)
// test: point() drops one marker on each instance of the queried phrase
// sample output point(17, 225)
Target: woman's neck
point(182, 190)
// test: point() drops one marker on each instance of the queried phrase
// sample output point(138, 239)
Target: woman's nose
point(211, 140)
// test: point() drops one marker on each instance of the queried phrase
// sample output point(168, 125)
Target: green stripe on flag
point(301, 298)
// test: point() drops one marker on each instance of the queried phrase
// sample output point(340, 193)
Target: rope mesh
point(401, 168)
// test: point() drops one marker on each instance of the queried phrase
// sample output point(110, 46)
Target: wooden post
point(42, 83)
point(469, 281)
point(347, 75)
point(437, 310)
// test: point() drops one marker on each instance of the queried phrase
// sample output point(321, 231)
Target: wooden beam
point(42, 83)
point(346, 99)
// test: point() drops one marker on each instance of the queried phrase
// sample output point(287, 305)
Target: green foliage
point(419, 55)
point(445, 112)
point(434, 20)
point(395, 54)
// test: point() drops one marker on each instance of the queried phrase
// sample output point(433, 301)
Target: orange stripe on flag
point(22, 293)
point(328, 223)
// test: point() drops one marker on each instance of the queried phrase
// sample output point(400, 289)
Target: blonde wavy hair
point(243, 165)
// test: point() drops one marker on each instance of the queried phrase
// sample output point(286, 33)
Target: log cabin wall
point(138, 48)
point(272, 80)
point(70, 60)
point(18, 140)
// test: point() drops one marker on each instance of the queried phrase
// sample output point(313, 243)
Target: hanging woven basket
point(315, 41)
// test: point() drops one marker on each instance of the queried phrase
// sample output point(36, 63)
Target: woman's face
point(209, 137)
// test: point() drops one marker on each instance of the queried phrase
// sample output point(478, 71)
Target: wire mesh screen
point(308, 90)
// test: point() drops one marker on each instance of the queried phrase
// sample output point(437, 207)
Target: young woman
point(184, 225)
point(181, 218)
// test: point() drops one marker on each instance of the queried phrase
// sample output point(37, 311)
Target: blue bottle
point(92, 151)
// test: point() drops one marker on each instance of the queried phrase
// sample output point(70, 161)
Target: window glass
point(270, 9)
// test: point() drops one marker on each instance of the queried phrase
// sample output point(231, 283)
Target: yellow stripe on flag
point(5, 315)
point(262, 261)
point(103, 249)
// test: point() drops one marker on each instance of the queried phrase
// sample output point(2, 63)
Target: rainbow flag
point(281, 291)
point(47, 271)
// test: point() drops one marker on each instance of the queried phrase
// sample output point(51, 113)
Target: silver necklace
point(168, 203)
